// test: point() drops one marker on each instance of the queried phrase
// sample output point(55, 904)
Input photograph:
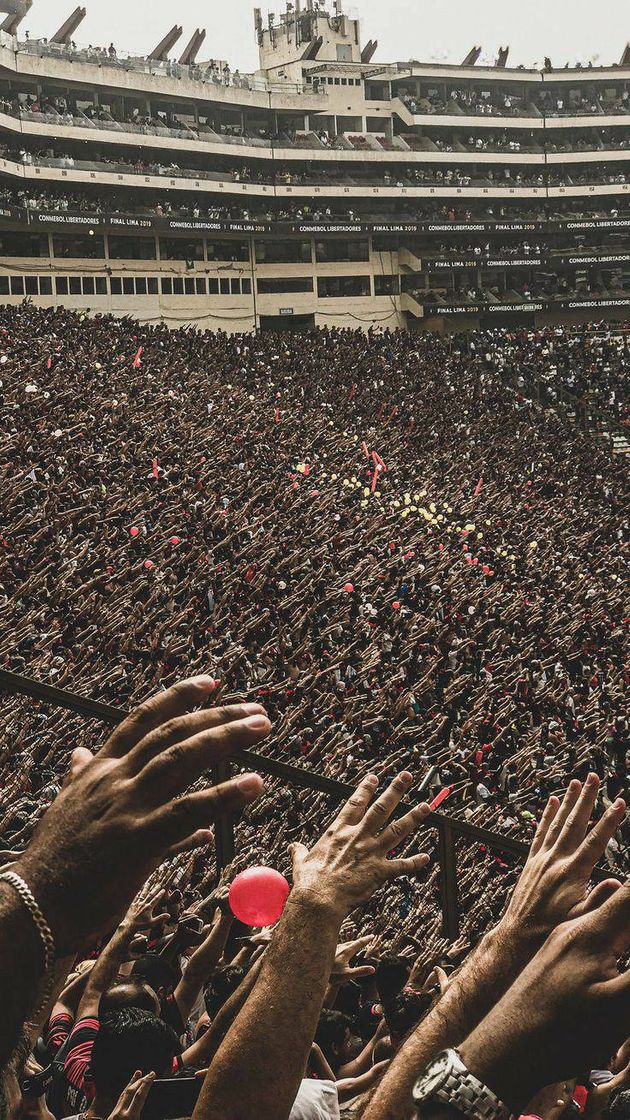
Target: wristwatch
point(447, 1080)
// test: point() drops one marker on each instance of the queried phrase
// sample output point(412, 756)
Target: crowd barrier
point(449, 829)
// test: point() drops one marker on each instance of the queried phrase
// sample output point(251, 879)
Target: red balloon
point(149, 564)
point(486, 570)
point(349, 587)
point(258, 896)
point(174, 540)
point(396, 606)
point(134, 532)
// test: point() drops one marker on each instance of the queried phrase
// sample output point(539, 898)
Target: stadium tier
point(325, 189)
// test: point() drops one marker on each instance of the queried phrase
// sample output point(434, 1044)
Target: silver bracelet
point(43, 929)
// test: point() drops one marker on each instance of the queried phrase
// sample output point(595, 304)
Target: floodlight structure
point(161, 52)
point(472, 57)
point(65, 33)
point(16, 10)
point(192, 50)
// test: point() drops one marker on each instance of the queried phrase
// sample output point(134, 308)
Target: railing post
point(224, 825)
point(448, 880)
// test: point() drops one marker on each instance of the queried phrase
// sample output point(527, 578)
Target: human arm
point(552, 886)
point(566, 1012)
point(202, 1051)
point(350, 1087)
point(139, 916)
point(202, 964)
point(131, 789)
point(261, 1062)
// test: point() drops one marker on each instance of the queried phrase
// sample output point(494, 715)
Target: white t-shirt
point(316, 1100)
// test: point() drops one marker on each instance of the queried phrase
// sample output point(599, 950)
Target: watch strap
point(464, 1092)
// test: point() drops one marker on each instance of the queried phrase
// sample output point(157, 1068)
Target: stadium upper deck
point(326, 187)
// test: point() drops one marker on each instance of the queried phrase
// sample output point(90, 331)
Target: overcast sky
point(566, 30)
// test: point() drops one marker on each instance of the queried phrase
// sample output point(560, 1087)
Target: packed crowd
point(500, 103)
point(180, 205)
point(383, 561)
point(359, 176)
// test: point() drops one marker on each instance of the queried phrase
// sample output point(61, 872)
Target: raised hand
point(343, 971)
point(554, 882)
point(123, 810)
point(567, 1011)
point(349, 863)
point(133, 1098)
point(144, 911)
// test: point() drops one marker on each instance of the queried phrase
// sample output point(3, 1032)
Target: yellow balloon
point(396, 505)
point(404, 513)
point(432, 507)
point(366, 491)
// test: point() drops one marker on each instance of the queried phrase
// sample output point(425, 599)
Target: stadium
point(314, 660)
point(325, 189)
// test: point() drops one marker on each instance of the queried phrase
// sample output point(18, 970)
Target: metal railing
point(219, 75)
point(449, 829)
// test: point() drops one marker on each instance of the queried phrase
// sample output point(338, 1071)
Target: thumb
point(597, 897)
point(80, 758)
point(298, 853)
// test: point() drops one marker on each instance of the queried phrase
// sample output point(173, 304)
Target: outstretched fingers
point(554, 829)
point(181, 764)
point(379, 813)
point(594, 844)
point(549, 815)
point(354, 809)
point(411, 865)
point(399, 830)
point(184, 727)
point(184, 816)
point(175, 701)
point(576, 824)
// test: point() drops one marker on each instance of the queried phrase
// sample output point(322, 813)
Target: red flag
point(352, 392)
point(437, 801)
point(478, 487)
point(364, 448)
point(49, 363)
point(154, 468)
point(137, 362)
point(277, 416)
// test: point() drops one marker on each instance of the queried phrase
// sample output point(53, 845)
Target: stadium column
point(253, 275)
point(224, 826)
point(448, 880)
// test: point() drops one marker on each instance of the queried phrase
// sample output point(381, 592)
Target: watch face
point(433, 1079)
